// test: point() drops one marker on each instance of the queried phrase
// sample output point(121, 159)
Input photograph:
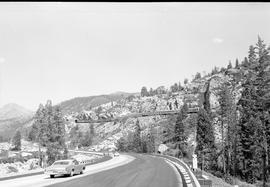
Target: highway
point(134, 170)
point(144, 171)
point(44, 180)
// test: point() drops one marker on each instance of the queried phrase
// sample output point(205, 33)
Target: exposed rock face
point(109, 133)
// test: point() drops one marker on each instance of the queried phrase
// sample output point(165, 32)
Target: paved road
point(144, 171)
point(44, 180)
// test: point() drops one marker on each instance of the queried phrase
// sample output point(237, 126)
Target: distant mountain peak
point(13, 110)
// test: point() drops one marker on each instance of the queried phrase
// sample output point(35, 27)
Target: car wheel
point(71, 173)
point(52, 176)
point(81, 172)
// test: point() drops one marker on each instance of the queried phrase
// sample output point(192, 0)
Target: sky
point(59, 51)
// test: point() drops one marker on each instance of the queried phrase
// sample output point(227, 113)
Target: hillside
point(79, 104)
point(107, 134)
point(12, 117)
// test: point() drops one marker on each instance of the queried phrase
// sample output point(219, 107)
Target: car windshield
point(61, 163)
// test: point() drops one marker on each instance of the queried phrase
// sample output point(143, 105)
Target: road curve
point(144, 171)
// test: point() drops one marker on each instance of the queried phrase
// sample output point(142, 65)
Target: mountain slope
point(107, 134)
point(79, 104)
point(13, 110)
point(12, 117)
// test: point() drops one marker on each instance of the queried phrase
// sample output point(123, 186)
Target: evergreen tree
point(252, 55)
point(73, 135)
point(33, 134)
point(137, 138)
point(237, 66)
point(180, 135)
point(42, 126)
point(16, 140)
point(245, 63)
point(185, 81)
point(214, 71)
point(144, 92)
point(228, 126)
point(151, 92)
point(205, 148)
point(229, 65)
point(254, 124)
point(121, 144)
point(180, 87)
point(262, 84)
point(55, 123)
point(174, 88)
point(247, 131)
point(151, 142)
point(222, 69)
point(197, 76)
point(50, 130)
point(206, 102)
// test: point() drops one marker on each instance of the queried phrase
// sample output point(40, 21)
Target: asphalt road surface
point(133, 170)
point(144, 171)
point(44, 180)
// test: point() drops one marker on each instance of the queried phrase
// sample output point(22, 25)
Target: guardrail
point(89, 152)
point(41, 171)
point(193, 177)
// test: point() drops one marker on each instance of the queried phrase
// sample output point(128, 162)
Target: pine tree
point(150, 142)
point(214, 71)
point(252, 55)
point(16, 141)
point(247, 134)
point(144, 92)
point(180, 135)
point(185, 81)
point(254, 120)
point(205, 148)
point(121, 144)
point(229, 65)
point(180, 86)
point(55, 123)
point(262, 84)
point(206, 100)
point(151, 92)
point(245, 63)
point(33, 133)
point(197, 76)
point(237, 64)
point(228, 126)
point(137, 138)
point(50, 130)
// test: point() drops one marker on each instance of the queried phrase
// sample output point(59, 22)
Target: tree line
point(245, 125)
point(48, 130)
point(243, 149)
point(136, 142)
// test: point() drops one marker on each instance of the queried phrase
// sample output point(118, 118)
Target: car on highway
point(116, 154)
point(68, 167)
